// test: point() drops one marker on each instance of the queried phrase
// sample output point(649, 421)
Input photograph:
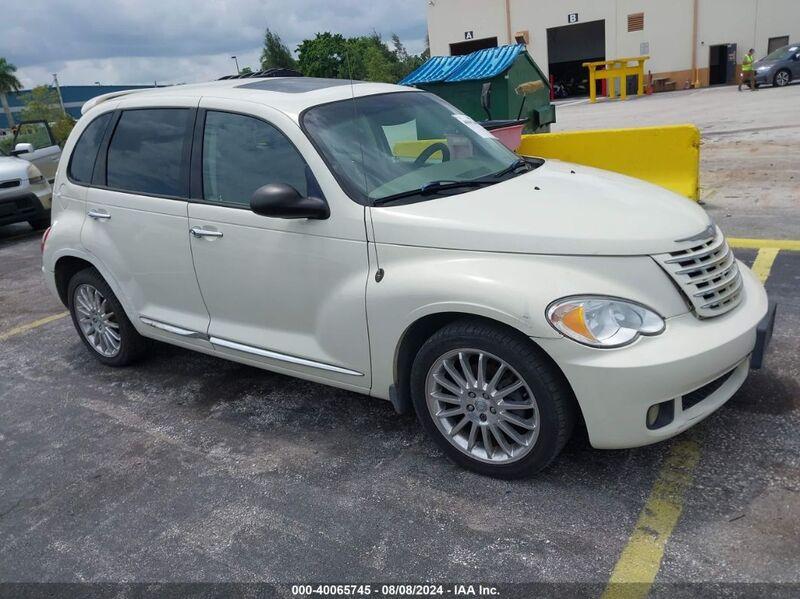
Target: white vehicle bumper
point(616, 387)
point(24, 202)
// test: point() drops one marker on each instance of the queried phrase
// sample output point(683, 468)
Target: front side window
point(392, 145)
point(81, 164)
point(242, 153)
point(36, 133)
point(147, 153)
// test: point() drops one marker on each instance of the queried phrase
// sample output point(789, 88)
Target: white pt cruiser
point(372, 237)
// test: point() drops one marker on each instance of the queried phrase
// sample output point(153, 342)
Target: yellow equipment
point(611, 70)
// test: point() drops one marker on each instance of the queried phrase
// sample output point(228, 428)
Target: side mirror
point(22, 148)
point(486, 99)
point(279, 200)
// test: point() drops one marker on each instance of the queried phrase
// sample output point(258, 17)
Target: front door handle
point(97, 215)
point(200, 232)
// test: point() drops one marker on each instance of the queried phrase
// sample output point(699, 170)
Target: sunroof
point(295, 85)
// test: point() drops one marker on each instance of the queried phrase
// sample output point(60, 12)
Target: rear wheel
point(101, 322)
point(782, 78)
point(491, 400)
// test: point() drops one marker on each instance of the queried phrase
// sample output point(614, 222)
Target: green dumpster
point(507, 79)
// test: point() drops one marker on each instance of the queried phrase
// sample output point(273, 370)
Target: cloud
point(171, 41)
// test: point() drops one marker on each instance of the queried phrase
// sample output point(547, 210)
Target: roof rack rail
point(271, 72)
point(92, 102)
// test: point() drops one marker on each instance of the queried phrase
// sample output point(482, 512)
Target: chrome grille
point(707, 274)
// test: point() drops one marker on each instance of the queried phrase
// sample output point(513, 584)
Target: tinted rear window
point(81, 164)
point(147, 153)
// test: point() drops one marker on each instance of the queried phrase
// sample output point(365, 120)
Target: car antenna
point(379, 271)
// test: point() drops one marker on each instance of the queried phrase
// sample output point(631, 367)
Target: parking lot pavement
point(190, 468)
point(750, 173)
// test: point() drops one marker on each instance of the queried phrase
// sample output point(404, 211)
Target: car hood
point(13, 168)
point(559, 208)
point(766, 63)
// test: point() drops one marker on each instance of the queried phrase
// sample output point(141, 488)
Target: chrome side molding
point(256, 351)
point(282, 357)
point(171, 328)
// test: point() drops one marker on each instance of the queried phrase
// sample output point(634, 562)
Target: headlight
point(34, 175)
point(763, 69)
point(603, 321)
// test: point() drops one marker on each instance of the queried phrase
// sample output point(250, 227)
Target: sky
point(179, 41)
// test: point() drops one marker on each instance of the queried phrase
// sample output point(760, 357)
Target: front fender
point(514, 289)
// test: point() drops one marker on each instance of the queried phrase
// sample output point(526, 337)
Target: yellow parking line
point(24, 328)
point(763, 263)
point(780, 244)
point(640, 561)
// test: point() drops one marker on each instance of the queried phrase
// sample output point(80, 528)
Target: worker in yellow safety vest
point(747, 70)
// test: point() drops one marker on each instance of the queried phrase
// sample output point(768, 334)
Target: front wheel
point(491, 400)
point(101, 321)
point(782, 78)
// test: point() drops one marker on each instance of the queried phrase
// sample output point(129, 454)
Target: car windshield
point(404, 144)
point(782, 53)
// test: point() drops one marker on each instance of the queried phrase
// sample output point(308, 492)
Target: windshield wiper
point(432, 188)
point(517, 164)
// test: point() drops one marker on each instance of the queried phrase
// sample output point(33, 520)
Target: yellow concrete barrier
point(667, 156)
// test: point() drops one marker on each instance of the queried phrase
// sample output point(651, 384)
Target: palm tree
point(8, 83)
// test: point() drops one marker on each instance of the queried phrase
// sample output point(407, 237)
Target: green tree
point(275, 53)
point(41, 103)
point(400, 51)
point(365, 58)
point(245, 71)
point(8, 83)
point(322, 56)
point(62, 127)
point(406, 63)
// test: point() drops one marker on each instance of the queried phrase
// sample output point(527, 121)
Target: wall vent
point(636, 21)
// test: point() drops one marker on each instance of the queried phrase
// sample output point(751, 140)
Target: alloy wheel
point(97, 320)
point(482, 406)
point(782, 78)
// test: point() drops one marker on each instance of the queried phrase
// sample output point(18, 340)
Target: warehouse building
point(74, 96)
point(690, 42)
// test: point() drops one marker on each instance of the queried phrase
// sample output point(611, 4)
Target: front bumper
point(763, 77)
point(615, 387)
point(25, 203)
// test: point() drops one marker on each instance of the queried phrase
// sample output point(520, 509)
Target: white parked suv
point(373, 238)
point(24, 193)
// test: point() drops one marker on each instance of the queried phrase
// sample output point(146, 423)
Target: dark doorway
point(721, 64)
point(467, 47)
point(568, 47)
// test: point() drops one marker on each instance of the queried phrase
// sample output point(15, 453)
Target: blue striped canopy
point(483, 64)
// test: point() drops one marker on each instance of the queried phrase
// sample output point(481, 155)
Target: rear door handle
point(200, 232)
point(97, 215)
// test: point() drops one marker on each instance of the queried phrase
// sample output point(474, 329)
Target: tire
point(39, 224)
point(782, 78)
point(94, 307)
point(548, 424)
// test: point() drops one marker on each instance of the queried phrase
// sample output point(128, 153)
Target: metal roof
point(483, 64)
